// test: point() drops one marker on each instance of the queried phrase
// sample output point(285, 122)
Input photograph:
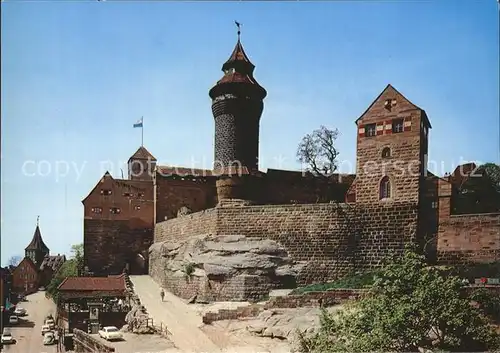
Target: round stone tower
point(237, 104)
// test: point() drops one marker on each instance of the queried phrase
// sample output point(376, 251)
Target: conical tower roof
point(238, 69)
point(37, 241)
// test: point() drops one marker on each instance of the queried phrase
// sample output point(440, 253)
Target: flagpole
point(142, 132)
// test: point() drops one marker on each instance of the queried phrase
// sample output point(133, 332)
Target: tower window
point(96, 210)
point(114, 210)
point(106, 192)
point(370, 130)
point(385, 188)
point(137, 208)
point(398, 125)
point(128, 194)
point(140, 194)
point(434, 204)
point(386, 152)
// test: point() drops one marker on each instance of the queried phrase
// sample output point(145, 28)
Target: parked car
point(13, 320)
point(50, 323)
point(45, 329)
point(110, 333)
point(20, 311)
point(7, 337)
point(49, 338)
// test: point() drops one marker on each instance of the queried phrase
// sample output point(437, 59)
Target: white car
point(45, 329)
point(13, 320)
point(7, 337)
point(49, 338)
point(50, 323)
point(20, 311)
point(110, 333)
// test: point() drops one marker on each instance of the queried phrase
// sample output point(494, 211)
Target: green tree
point(410, 306)
point(70, 268)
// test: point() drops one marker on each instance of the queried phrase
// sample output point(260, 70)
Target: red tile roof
point(181, 171)
point(237, 77)
point(111, 283)
point(142, 153)
point(238, 54)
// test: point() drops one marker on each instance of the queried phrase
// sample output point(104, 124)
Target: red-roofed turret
point(237, 105)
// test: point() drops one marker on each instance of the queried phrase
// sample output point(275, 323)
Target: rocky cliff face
point(215, 268)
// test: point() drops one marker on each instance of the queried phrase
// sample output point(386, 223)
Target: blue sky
point(77, 75)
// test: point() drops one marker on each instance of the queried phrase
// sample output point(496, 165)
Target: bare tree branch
point(14, 261)
point(317, 152)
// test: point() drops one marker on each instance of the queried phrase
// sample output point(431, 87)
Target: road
point(28, 332)
point(181, 321)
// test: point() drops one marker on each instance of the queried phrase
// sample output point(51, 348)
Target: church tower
point(237, 104)
point(36, 250)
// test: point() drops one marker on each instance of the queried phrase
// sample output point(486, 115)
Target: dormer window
point(128, 194)
point(140, 194)
point(398, 125)
point(106, 192)
point(114, 210)
point(370, 130)
point(137, 208)
point(97, 210)
point(230, 71)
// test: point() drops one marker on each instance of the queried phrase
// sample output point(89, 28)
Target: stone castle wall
point(332, 240)
point(110, 244)
point(469, 238)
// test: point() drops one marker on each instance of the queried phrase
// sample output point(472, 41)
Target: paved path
point(181, 320)
point(28, 332)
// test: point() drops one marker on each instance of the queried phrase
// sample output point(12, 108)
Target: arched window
point(386, 152)
point(385, 188)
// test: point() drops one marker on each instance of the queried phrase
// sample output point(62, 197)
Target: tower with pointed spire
point(237, 105)
point(36, 249)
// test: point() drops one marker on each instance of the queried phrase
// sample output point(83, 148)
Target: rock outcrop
point(222, 267)
point(137, 320)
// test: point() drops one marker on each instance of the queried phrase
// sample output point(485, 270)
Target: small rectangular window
point(106, 192)
point(137, 208)
point(140, 194)
point(370, 130)
point(114, 210)
point(434, 204)
point(398, 125)
point(128, 194)
point(96, 210)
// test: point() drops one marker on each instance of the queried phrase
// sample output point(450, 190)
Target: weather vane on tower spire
point(239, 28)
point(37, 220)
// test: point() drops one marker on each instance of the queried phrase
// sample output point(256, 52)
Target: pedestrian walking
point(162, 294)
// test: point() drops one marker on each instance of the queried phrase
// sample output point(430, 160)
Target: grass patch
point(189, 268)
point(357, 281)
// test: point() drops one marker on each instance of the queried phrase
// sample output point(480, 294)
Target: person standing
point(162, 294)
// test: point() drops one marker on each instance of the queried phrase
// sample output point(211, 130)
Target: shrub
point(358, 281)
point(189, 268)
point(412, 307)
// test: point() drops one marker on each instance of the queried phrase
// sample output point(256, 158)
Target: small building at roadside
point(89, 302)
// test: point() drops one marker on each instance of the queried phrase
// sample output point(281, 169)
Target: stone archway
point(138, 265)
